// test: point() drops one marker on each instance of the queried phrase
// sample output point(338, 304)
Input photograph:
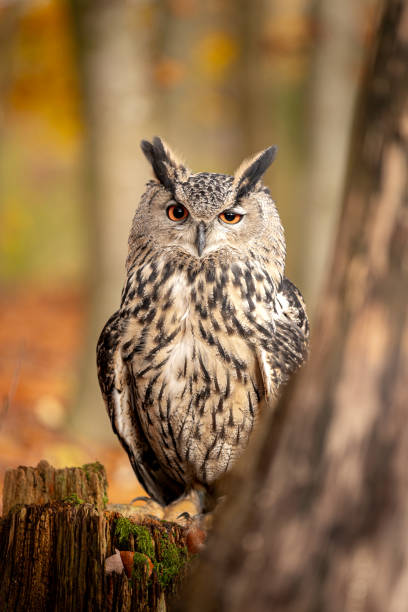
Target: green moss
point(73, 499)
point(143, 540)
point(95, 467)
point(105, 499)
point(171, 562)
point(123, 530)
point(140, 567)
point(168, 559)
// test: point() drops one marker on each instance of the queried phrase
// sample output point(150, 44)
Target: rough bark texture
point(52, 555)
point(43, 484)
point(321, 522)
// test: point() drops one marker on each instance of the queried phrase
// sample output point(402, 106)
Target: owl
point(208, 327)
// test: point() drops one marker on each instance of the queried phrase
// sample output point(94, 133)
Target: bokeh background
point(81, 83)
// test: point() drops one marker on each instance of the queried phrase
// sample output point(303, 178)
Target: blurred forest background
point(81, 83)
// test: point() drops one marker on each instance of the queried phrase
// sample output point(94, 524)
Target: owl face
point(205, 213)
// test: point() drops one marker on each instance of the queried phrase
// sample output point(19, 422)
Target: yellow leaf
point(216, 52)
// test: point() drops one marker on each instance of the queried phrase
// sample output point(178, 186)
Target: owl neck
point(220, 282)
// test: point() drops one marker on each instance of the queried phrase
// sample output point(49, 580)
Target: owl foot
point(187, 516)
point(196, 532)
point(128, 510)
point(150, 506)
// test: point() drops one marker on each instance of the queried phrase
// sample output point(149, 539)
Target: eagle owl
point(208, 326)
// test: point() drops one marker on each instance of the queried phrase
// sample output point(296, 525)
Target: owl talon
point(200, 521)
point(185, 515)
point(143, 498)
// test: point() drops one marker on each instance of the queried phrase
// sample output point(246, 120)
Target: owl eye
point(177, 212)
point(230, 217)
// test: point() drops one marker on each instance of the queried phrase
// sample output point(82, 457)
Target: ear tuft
point(166, 167)
point(251, 171)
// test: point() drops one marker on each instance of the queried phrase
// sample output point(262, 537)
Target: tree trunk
point(58, 552)
point(337, 65)
point(112, 50)
point(44, 484)
point(320, 521)
point(9, 15)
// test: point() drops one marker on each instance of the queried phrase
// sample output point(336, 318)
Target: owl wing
point(288, 346)
point(116, 385)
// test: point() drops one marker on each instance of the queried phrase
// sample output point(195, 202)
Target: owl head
point(207, 214)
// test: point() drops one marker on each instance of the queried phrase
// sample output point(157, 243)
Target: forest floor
point(40, 339)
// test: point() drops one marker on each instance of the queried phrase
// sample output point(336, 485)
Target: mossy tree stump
point(53, 549)
point(29, 485)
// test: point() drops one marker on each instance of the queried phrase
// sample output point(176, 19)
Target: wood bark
point(43, 484)
point(319, 522)
point(53, 551)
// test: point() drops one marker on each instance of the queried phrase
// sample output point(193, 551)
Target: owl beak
point(200, 238)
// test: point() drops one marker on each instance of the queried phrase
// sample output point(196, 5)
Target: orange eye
point(230, 217)
point(177, 212)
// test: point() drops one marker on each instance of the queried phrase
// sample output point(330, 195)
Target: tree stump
point(28, 485)
point(56, 535)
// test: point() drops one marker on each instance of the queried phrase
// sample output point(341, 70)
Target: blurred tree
point(341, 30)
point(201, 51)
point(112, 49)
point(281, 68)
point(318, 522)
point(9, 14)
point(41, 241)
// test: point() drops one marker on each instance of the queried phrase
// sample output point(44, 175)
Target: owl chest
point(198, 384)
point(190, 345)
point(198, 410)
